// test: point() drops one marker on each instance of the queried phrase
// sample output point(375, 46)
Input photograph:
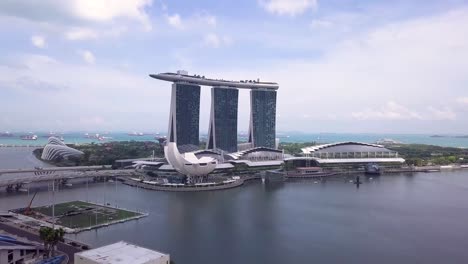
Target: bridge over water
point(20, 146)
point(19, 177)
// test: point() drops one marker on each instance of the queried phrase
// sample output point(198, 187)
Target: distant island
point(449, 136)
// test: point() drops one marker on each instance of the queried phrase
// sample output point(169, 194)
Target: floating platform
point(77, 216)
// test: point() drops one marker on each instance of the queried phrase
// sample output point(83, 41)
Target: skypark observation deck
point(201, 80)
point(184, 116)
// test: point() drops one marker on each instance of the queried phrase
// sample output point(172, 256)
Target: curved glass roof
point(345, 147)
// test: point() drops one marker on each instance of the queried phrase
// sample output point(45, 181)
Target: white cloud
point(87, 56)
point(215, 41)
point(462, 100)
point(415, 63)
point(81, 34)
point(38, 41)
point(74, 84)
point(207, 19)
point(107, 10)
point(390, 111)
point(198, 21)
point(320, 23)
point(175, 21)
point(91, 121)
point(80, 13)
point(288, 7)
point(212, 40)
point(394, 111)
point(441, 114)
point(89, 10)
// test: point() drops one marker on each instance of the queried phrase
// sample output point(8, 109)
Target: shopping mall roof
point(345, 147)
point(240, 154)
point(265, 163)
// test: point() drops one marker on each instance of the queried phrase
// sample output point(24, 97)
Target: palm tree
point(51, 238)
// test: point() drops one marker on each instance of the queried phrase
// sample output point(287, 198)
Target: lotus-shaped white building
point(188, 164)
point(56, 148)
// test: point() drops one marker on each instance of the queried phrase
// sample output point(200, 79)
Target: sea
point(296, 137)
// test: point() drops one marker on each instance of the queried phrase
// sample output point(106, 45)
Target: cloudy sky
point(396, 66)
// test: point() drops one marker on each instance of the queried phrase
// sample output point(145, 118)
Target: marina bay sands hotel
point(222, 134)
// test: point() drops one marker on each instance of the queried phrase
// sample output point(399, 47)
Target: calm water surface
point(78, 138)
point(419, 218)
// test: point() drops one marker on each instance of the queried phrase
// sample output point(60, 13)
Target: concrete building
point(119, 253)
point(185, 107)
point(55, 148)
point(196, 169)
point(14, 250)
point(345, 155)
point(262, 129)
point(222, 133)
point(184, 115)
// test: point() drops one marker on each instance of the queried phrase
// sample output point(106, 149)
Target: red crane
point(27, 210)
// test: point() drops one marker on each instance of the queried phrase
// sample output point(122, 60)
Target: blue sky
point(342, 65)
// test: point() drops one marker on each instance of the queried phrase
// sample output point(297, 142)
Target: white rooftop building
point(55, 148)
point(121, 253)
point(188, 164)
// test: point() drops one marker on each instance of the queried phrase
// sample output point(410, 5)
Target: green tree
point(51, 237)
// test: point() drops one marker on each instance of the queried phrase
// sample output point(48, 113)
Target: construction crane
point(27, 210)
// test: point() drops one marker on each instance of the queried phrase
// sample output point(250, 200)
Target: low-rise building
point(17, 250)
point(119, 253)
point(345, 155)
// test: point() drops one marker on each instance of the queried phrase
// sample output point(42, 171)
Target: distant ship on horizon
point(96, 136)
point(29, 137)
point(136, 134)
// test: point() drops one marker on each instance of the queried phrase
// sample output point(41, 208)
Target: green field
point(78, 214)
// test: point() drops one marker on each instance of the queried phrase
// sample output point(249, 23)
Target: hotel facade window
point(223, 119)
point(263, 118)
point(185, 114)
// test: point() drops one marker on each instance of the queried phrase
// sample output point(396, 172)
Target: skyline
point(354, 67)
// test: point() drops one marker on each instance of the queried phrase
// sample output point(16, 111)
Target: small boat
point(373, 169)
